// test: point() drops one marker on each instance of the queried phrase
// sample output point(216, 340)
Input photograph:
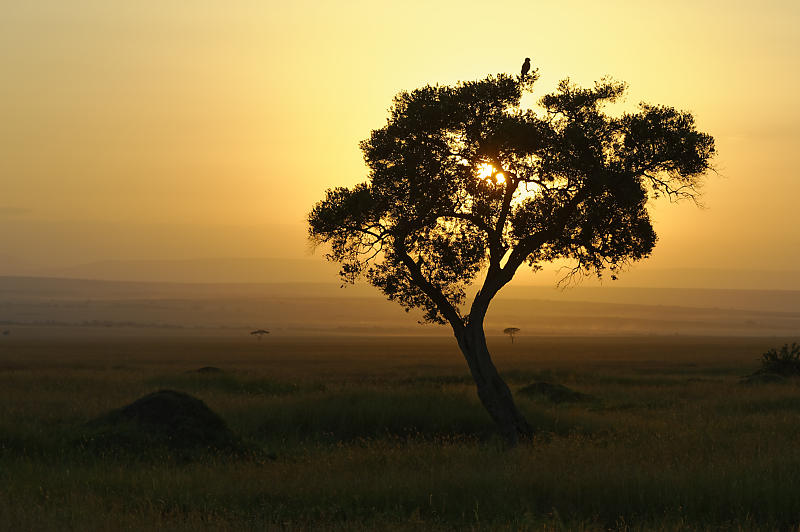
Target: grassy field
point(387, 433)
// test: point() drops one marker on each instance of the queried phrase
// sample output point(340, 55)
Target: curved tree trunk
point(492, 389)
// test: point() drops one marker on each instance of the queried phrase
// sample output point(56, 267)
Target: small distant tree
point(465, 183)
point(511, 331)
point(259, 333)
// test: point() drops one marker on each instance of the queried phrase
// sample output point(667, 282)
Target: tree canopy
point(464, 182)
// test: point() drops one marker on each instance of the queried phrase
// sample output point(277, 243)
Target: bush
point(784, 361)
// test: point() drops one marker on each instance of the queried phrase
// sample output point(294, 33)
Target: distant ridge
point(311, 269)
point(19, 288)
point(317, 269)
point(25, 287)
point(204, 270)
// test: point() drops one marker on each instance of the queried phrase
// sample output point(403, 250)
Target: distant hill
point(313, 269)
point(211, 270)
point(643, 275)
point(58, 288)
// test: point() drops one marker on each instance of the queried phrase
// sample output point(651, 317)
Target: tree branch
point(435, 294)
point(496, 279)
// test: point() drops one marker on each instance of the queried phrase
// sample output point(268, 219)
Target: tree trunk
point(492, 390)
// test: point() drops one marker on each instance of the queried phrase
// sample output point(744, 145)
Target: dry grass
point(386, 433)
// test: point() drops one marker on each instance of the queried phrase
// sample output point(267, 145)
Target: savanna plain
point(387, 433)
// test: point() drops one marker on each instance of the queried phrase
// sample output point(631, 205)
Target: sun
point(487, 171)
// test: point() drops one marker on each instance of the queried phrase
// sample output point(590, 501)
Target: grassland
point(387, 433)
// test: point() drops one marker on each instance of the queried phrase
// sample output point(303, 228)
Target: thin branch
point(496, 279)
point(675, 194)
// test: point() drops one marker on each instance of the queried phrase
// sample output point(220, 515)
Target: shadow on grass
point(186, 431)
point(423, 415)
point(555, 393)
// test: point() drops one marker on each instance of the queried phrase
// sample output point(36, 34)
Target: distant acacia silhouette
point(511, 331)
point(258, 333)
point(462, 180)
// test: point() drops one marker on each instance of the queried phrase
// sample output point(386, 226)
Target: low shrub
point(784, 361)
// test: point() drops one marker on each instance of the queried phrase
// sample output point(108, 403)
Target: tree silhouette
point(465, 184)
point(511, 331)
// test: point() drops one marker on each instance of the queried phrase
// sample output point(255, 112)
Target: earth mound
point(162, 419)
point(556, 393)
point(208, 370)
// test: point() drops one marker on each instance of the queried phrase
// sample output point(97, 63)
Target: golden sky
point(173, 129)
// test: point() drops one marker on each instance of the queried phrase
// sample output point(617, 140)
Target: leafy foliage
point(783, 361)
point(464, 180)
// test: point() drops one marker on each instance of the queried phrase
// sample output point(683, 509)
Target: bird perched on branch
point(526, 66)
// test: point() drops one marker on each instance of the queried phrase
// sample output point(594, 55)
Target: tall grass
point(665, 446)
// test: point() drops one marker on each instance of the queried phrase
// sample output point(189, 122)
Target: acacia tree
point(258, 333)
point(511, 331)
point(466, 186)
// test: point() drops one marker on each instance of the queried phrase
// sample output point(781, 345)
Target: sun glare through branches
point(488, 172)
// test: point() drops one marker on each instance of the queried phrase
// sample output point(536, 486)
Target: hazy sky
point(178, 129)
